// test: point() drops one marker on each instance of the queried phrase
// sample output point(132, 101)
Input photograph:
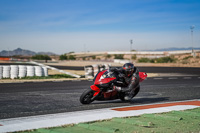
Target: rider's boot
point(128, 96)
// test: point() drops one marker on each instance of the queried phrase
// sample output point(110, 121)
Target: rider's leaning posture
point(128, 79)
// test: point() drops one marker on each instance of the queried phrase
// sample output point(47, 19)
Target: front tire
point(86, 97)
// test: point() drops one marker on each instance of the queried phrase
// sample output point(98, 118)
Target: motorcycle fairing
point(102, 80)
point(142, 76)
point(109, 94)
point(96, 89)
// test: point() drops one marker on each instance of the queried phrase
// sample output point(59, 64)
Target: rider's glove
point(121, 75)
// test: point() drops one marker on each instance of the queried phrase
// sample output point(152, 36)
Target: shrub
point(72, 57)
point(41, 57)
point(63, 57)
point(93, 57)
point(165, 60)
point(108, 56)
point(67, 57)
point(134, 57)
point(158, 60)
point(187, 57)
point(144, 60)
point(119, 56)
point(83, 58)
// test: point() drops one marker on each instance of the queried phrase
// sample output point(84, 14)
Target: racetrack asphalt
point(31, 98)
point(52, 97)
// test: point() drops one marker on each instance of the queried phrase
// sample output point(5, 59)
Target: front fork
point(97, 91)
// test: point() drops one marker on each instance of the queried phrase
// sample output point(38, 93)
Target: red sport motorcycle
point(105, 89)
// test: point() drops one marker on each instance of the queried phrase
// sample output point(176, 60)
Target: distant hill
point(46, 53)
point(23, 52)
point(176, 49)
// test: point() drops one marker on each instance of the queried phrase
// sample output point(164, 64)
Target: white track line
point(157, 78)
point(173, 78)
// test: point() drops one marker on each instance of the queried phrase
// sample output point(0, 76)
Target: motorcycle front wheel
point(86, 97)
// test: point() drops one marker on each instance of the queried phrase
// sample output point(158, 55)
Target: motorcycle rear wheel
point(136, 91)
point(86, 97)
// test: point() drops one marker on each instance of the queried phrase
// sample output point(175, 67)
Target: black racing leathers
point(127, 83)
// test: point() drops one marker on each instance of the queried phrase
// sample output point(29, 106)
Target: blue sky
point(100, 25)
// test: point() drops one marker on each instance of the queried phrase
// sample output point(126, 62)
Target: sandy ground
point(85, 63)
point(78, 72)
point(82, 63)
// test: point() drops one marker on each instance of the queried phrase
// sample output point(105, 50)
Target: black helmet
point(129, 68)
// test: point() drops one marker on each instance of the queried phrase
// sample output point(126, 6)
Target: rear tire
point(121, 96)
point(136, 91)
point(86, 97)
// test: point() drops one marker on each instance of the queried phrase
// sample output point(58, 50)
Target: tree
point(72, 57)
point(134, 57)
point(108, 56)
point(93, 57)
point(63, 57)
point(41, 57)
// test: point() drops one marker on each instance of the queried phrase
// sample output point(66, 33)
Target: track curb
point(53, 120)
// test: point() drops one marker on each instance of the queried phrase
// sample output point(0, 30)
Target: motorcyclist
point(128, 79)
